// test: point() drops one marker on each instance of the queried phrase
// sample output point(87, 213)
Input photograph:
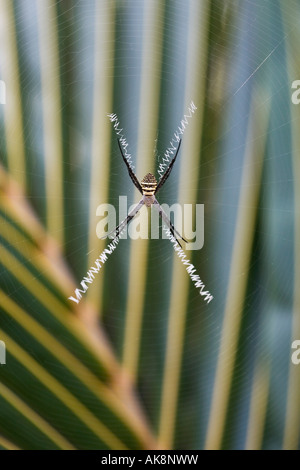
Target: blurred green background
point(142, 362)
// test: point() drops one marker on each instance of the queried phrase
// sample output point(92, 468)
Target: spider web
point(246, 52)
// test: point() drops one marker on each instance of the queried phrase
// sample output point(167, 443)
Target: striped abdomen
point(149, 184)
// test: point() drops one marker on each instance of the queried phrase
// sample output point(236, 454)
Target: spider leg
point(126, 221)
point(166, 174)
point(168, 222)
point(131, 173)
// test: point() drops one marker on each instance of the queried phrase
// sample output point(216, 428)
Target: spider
point(148, 187)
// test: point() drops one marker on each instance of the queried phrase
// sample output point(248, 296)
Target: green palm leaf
point(142, 362)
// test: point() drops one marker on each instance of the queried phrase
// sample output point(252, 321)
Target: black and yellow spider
point(148, 187)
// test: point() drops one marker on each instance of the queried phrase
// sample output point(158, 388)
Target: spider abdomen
point(149, 184)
